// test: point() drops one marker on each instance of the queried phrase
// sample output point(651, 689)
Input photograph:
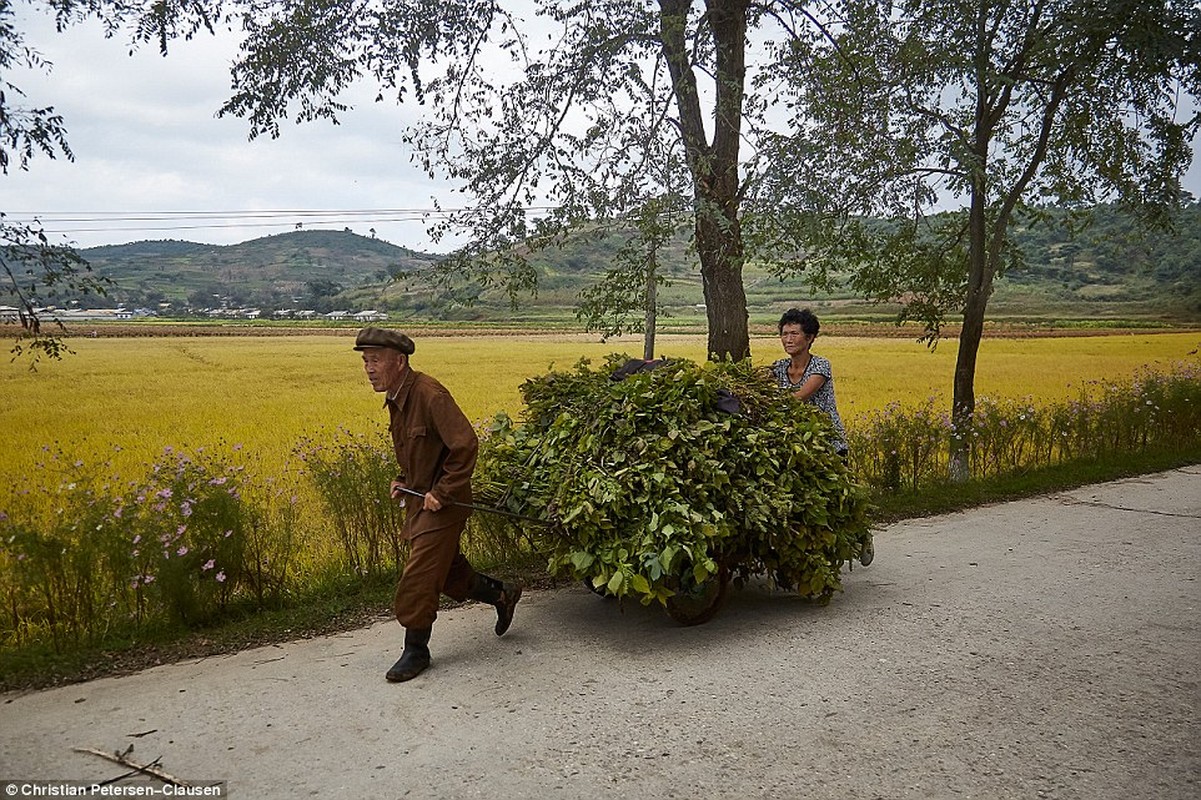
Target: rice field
point(123, 400)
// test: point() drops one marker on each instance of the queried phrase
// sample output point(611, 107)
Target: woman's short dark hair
point(803, 317)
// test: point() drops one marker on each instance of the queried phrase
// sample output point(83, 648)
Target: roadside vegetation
point(178, 497)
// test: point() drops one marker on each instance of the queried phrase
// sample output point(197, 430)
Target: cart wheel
point(701, 603)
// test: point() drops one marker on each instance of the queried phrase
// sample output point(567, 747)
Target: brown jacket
point(436, 449)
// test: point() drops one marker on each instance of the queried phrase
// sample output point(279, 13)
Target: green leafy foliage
point(902, 450)
point(188, 523)
point(86, 555)
point(651, 489)
point(35, 271)
point(353, 475)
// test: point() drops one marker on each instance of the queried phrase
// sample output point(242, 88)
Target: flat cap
point(379, 337)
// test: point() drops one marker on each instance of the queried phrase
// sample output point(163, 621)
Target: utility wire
point(69, 222)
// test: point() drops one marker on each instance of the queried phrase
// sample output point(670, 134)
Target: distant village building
point(370, 316)
point(66, 315)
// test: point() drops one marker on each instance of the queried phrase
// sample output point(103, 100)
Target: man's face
point(383, 366)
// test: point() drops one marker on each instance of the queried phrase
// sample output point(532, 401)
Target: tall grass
point(167, 483)
point(906, 449)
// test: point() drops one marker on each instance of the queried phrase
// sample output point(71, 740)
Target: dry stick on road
point(123, 760)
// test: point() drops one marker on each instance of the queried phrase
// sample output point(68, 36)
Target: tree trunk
point(963, 404)
point(979, 281)
point(719, 247)
point(652, 300)
point(714, 168)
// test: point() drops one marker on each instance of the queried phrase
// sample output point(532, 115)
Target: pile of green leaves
point(651, 489)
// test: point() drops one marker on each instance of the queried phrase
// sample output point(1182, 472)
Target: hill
point(1102, 271)
point(276, 271)
point(1067, 270)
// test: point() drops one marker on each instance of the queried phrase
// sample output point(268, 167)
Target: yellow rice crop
point(124, 399)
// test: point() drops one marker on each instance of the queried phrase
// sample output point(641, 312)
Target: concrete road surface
point(1047, 648)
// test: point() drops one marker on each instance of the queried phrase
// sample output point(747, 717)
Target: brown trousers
point(435, 567)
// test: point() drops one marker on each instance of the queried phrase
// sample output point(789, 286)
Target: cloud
point(147, 142)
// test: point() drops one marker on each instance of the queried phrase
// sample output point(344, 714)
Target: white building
point(370, 316)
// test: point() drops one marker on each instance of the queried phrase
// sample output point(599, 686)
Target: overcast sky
point(146, 140)
point(152, 161)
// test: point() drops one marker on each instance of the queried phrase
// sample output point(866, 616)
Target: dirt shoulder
point(1040, 648)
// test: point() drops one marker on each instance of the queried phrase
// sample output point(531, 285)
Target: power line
point(288, 212)
point(71, 222)
point(115, 221)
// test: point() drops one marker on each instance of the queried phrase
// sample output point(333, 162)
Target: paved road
point(1047, 648)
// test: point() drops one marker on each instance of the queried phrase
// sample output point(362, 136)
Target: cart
point(693, 605)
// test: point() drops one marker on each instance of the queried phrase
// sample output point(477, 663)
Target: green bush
point(188, 522)
point(57, 571)
point(900, 450)
point(86, 555)
point(651, 489)
point(353, 475)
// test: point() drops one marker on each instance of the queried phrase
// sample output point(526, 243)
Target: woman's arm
point(810, 387)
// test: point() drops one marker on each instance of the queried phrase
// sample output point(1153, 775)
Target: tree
point(589, 128)
point(631, 285)
point(34, 268)
point(322, 293)
point(1006, 104)
point(37, 270)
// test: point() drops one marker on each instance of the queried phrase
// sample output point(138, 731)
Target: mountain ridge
point(1106, 271)
point(270, 270)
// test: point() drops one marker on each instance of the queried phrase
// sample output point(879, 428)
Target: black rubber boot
point(868, 554)
point(502, 595)
point(414, 659)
